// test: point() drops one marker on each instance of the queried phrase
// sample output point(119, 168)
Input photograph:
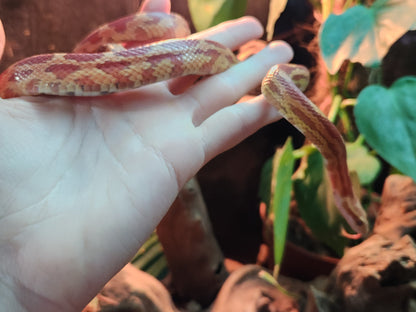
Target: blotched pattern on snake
point(142, 49)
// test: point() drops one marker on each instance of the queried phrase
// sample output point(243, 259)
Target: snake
point(146, 48)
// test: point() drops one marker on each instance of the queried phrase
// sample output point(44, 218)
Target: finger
point(226, 88)
point(155, 6)
point(232, 124)
point(2, 39)
point(180, 85)
point(231, 34)
point(234, 33)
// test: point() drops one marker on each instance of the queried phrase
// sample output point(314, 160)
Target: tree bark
point(195, 260)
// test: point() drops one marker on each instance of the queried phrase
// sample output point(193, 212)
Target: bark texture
point(380, 273)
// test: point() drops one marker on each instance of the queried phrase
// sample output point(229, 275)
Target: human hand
point(84, 181)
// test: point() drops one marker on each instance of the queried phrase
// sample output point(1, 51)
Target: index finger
point(155, 6)
point(231, 34)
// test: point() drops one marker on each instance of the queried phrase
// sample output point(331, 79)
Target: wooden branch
point(194, 257)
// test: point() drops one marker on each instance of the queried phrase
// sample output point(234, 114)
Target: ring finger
point(226, 88)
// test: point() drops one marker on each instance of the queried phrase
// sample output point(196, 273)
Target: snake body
point(92, 74)
point(112, 59)
point(282, 88)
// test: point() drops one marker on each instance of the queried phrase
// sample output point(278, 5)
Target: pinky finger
point(232, 124)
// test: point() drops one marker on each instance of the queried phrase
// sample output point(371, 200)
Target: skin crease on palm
point(84, 181)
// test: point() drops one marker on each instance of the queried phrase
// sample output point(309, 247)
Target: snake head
point(299, 74)
point(351, 209)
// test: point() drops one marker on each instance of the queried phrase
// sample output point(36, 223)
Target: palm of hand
point(84, 181)
point(88, 172)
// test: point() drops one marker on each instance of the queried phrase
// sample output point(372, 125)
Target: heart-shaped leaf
point(363, 34)
point(362, 162)
point(387, 119)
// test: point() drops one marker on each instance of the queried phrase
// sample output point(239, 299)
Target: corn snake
point(112, 59)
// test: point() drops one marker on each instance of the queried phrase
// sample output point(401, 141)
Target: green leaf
point(281, 186)
point(361, 161)
point(315, 201)
point(387, 119)
point(364, 34)
point(276, 7)
point(151, 259)
point(207, 13)
point(327, 7)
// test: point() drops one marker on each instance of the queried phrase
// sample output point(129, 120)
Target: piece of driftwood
point(132, 290)
point(195, 260)
point(247, 290)
point(380, 273)
point(397, 216)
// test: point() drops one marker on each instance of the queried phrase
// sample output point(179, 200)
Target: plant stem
point(346, 122)
point(348, 75)
point(348, 102)
point(360, 140)
point(327, 8)
point(335, 106)
point(276, 270)
point(333, 80)
point(305, 150)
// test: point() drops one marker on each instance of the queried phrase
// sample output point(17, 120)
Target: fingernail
point(283, 47)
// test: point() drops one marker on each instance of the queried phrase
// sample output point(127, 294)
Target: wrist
point(8, 300)
point(19, 299)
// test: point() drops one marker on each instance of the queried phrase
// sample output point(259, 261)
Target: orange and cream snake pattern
point(113, 59)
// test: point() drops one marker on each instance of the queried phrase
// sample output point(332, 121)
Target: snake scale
point(143, 48)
